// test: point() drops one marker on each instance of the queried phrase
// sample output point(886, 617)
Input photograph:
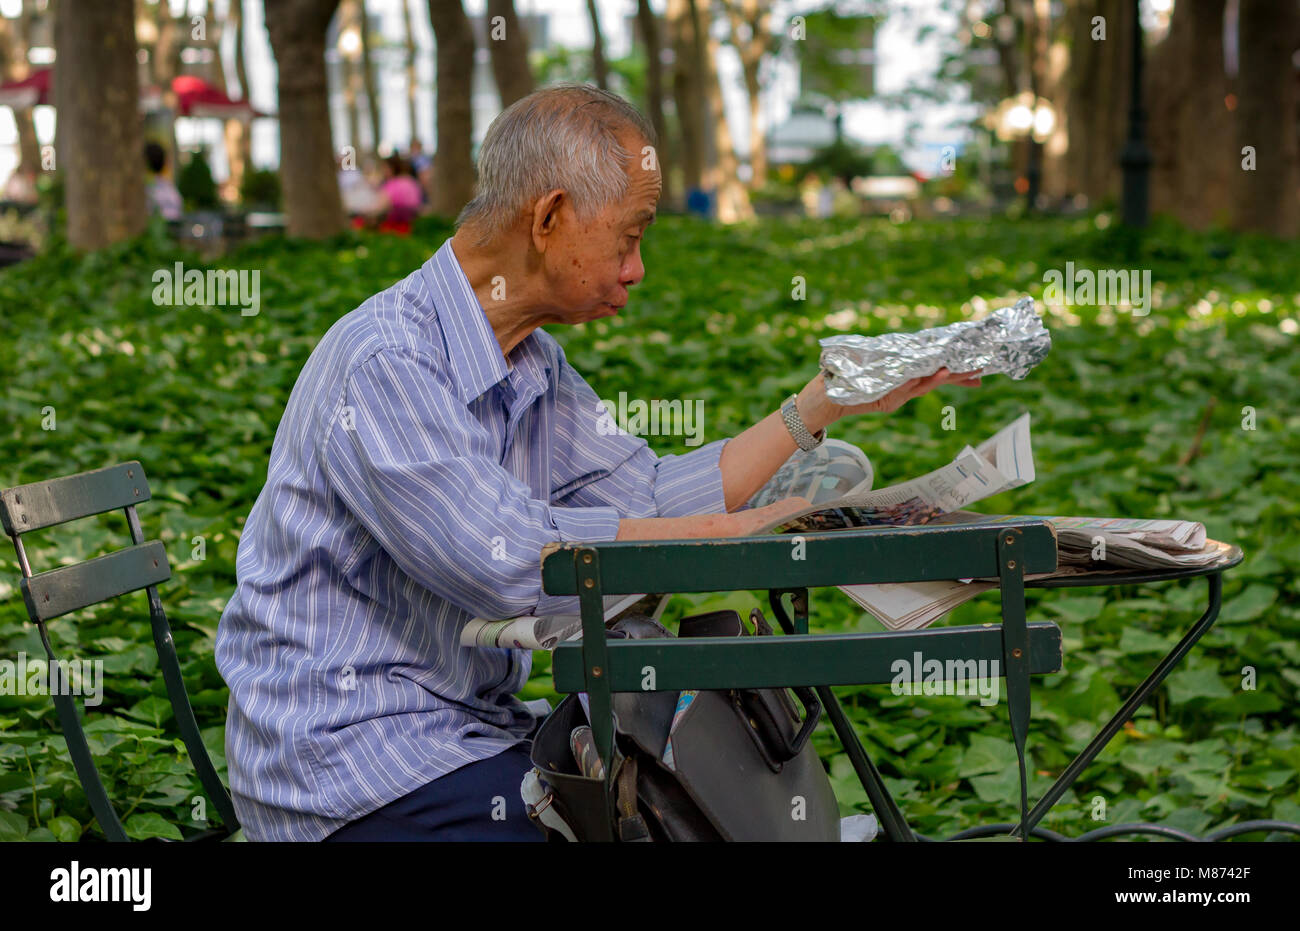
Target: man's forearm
point(750, 459)
point(744, 523)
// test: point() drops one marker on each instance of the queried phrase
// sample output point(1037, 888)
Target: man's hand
point(906, 391)
point(744, 523)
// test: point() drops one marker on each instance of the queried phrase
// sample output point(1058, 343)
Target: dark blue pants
point(459, 806)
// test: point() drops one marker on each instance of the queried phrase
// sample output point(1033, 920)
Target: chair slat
point(818, 659)
point(69, 588)
point(878, 554)
point(43, 504)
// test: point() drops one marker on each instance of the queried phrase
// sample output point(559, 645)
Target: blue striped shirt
point(413, 481)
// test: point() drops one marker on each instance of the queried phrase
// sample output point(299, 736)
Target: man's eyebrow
point(644, 216)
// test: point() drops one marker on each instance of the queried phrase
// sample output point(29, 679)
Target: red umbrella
point(36, 88)
point(196, 97)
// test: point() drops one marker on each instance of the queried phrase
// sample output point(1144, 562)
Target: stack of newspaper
point(1004, 461)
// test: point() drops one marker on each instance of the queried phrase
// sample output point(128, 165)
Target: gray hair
point(563, 136)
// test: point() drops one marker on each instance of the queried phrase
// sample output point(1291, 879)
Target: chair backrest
point(56, 592)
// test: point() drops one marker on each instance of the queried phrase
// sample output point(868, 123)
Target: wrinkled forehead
point(644, 178)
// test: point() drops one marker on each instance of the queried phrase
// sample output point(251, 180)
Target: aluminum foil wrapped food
point(1009, 341)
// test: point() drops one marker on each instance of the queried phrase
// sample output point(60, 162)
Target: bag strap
point(631, 826)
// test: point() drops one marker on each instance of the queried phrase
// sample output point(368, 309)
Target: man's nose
point(633, 269)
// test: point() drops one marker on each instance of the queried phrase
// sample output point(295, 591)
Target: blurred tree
point(260, 190)
point(409, 37)
point(349, 37)
point(508, 43)
point(1037, 17)
point(1190, 124)
point(166, 39)
point(648, 28)
point(750, 24)
point(689, 76)
point(239, 139)
point(100, 141)
point(195, 183)
point(723, 175)
point(1265, 198)
point(836, 57)
point(1098, 87)
point(368, 76)
point(453, 166)
point(307, 172)
point(598, 65)
point(15, 67)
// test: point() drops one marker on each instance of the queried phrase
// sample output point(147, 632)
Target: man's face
point(592, 265)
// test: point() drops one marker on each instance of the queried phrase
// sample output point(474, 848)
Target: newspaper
point(833, 470)
point(536, 633)
point(1112, 543)
point(1005, 460)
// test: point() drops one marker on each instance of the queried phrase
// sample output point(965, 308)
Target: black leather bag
point(743, 768)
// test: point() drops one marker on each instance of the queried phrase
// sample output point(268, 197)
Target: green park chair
point(600, 667)
point(60, 591)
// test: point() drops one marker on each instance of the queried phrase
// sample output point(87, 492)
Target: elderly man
point(435, 441)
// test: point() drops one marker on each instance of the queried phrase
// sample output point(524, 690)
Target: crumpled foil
point(1009, 341)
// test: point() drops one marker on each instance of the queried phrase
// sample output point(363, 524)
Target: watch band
point(794, 423)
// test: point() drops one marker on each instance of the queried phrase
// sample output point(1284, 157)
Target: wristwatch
point(794, 423)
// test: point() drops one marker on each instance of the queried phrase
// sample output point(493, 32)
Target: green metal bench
point(56, 592)
point(599, 666)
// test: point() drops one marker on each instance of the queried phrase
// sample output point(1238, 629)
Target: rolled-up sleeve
point(419, 473)
point(598, 466)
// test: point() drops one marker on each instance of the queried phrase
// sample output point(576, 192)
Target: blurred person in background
point(400, 196)
point(162, 196)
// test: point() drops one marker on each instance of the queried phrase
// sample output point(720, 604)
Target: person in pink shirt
point(400, 195)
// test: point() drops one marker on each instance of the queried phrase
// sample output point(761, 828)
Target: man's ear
point(546, 218)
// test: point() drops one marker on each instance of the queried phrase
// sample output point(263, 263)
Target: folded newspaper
point(844, 499)
point(537, 633)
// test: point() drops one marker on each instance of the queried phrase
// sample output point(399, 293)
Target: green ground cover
point(1131, 416)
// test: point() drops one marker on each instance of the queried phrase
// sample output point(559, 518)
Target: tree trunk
point(688, 89)
point(350, 75)
point(733, 198)
point(164, 66)
point(453, 167)
point(1190, 127)
point(755, 17)
point(1265, 200)
point(1098, 97)
point(311, 191)
point(368, 77)
point(598, 65)
point(242, 152)
point(649, 28)
point(508, 44)
point(97, 92)
point(410, 70)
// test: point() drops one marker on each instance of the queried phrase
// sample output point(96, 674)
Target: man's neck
point(502, 292)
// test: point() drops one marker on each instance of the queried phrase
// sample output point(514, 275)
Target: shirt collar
point(472, 347)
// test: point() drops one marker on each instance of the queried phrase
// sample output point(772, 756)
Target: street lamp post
point(1135, 159)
